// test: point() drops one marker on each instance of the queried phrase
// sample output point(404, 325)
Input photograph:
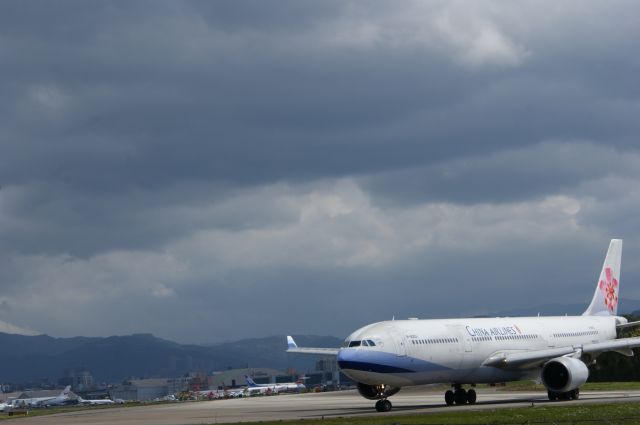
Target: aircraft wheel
point(471, 396)
point(575, 394)
point(553, 396)
point(383, 405)
point(449, 398)
point(460, 396)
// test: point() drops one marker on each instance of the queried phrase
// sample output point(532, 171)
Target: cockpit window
point(354, 344)
point(365, 343)
point(371, 343)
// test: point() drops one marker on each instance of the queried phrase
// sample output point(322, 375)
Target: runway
point(309, 406)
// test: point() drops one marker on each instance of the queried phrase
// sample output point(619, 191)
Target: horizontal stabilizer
point(628, 325)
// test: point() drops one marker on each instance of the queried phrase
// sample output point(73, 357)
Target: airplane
point(383, 357)
point(96, 402)
point(252, 387)
point(60, 399)
point(224, 393)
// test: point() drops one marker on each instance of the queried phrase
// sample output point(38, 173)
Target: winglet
point(291, 343)
point(605, 298)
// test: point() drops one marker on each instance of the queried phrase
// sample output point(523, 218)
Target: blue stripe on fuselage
point(371, 367)
point(381, 362)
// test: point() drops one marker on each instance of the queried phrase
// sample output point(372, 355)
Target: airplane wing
point(532, 358)
point(293, 348)
point(621, 345)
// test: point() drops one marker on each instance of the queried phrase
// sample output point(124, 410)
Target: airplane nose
point(347, 362)
point(347, 357)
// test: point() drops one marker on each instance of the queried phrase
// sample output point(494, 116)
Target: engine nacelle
point(376, 392)
point(564, 374)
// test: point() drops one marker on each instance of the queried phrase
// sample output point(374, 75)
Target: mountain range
point(44, 358)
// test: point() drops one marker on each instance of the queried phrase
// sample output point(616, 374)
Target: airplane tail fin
point(66, 390)
point(250, 382)
point(605, 298)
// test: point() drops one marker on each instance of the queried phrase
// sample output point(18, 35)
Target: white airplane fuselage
point(415, 352)
point(386, 356)
point(97, 402)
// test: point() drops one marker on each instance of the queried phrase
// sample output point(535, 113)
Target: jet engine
point(564, 374)
point(376, 392)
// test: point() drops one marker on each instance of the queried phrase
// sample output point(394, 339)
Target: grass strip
point(584, 414)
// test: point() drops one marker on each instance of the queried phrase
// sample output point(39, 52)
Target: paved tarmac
point(308, 406)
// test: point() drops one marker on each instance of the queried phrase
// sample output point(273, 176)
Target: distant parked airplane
point(95, 402)
point(59, 400)
point(385, 356)
point(276, 388)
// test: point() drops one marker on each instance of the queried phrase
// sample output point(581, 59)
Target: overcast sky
point(214, 170)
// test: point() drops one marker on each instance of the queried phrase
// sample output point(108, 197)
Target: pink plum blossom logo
point(609, 288)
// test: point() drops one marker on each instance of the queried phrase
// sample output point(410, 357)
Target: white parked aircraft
point(385, 356)
point(60, 399)
point(226, 393)
point(252, 387)
point(96, 402)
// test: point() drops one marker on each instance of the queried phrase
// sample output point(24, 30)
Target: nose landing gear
point(460, 396)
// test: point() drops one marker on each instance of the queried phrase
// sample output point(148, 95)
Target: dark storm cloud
point(508, 175)
point(147, 96)
point(168, 155)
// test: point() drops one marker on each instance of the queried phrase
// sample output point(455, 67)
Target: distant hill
point(33, 358)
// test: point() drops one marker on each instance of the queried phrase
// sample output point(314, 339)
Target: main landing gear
point(460, 396)
point(569, 395)
point(383, 405)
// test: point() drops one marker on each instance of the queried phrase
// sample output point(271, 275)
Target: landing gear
point(569, 395)
point(449, 398)
point(471, 396)
point(460, 396)
point(383, 405)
